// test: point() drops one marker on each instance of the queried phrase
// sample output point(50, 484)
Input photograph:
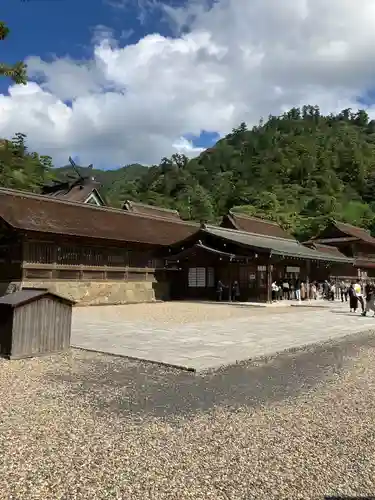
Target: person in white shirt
point(275, 290)
point(359, 294)
point(332, 291)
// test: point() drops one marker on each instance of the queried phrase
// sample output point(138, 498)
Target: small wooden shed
point(33, 322)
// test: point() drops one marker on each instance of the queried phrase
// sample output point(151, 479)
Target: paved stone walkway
point(202, 344)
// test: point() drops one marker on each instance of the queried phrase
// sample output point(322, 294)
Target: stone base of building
point(90, 293)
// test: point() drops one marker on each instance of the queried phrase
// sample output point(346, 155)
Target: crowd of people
point(359, 295)
point(297, 289)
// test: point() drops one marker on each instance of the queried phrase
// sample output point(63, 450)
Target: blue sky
point(145, 97)
point(53, 29)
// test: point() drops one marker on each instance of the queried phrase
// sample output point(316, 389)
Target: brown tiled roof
point(30, 212)
point(356, 232)
point(325, 248)
point(347, 230)
point(254, 225)
point(143, 209)
point(76, 192)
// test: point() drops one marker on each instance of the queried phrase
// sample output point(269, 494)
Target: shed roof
point(255, 225)
point(27, 295)
point(276, 246)
point(29, 212)
point(143, 209)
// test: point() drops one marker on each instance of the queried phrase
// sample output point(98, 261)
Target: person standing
point(331, 291)
point(343, 291)
point(219, 290)
point(314, 291)
point(286, 289)
point(236, 291)
point(353, 299)
point(297, 287)
point(359, 294)
point(370, 299)
point(275, 290)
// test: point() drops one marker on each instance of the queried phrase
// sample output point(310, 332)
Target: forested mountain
point(299, 169)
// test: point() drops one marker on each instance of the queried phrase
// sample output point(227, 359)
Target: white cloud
point(236, 61)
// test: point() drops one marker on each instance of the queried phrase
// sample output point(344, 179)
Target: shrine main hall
point(75, 245)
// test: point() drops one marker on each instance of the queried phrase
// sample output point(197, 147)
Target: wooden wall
point(79, 260)
point(39, 327)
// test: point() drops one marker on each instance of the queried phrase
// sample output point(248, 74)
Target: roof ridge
point(251, 217)
point(208, 226)
point(147, 205)
point(52, 199)
point(355, 227)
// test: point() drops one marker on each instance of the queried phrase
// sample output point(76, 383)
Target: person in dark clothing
point(219, 290)
point(353, 299)
point(370, 299)
point(286, 290)
point(236, 291)
point(343, 291)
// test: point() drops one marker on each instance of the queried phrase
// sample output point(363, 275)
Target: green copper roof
point(276, 246)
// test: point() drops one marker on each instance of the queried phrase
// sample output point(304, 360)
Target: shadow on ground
point(134, 389)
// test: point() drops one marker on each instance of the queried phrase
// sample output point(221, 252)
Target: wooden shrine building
point(87, 253)
point(81, 190)
point(252, 257)
point(354, 242)
point(93, 254)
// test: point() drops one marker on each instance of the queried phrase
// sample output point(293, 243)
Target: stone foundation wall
point(87, 293)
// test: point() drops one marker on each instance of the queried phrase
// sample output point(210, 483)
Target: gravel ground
point(175, 313)
point(89, 426)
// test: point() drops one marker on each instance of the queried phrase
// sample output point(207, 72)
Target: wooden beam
point(334, 240)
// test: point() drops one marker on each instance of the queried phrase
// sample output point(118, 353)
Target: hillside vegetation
point(300, 169)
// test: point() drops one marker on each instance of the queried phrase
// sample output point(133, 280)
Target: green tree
point(17, 71)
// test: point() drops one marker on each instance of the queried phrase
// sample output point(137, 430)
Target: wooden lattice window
point(69, 255)
point(197, 277)
point(117, 257)
point(210, 277)
point(40, 253)
point(92, 256)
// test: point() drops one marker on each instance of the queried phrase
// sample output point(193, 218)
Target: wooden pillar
point(230, 281)
point(308, 268)
point(269, 282)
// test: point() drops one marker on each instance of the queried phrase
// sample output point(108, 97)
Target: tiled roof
point(254, 225)
point(79, 191)
point(275, 245)
point(142, 208)
point(325, 248)
point(30, 212)
point(356, 232)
